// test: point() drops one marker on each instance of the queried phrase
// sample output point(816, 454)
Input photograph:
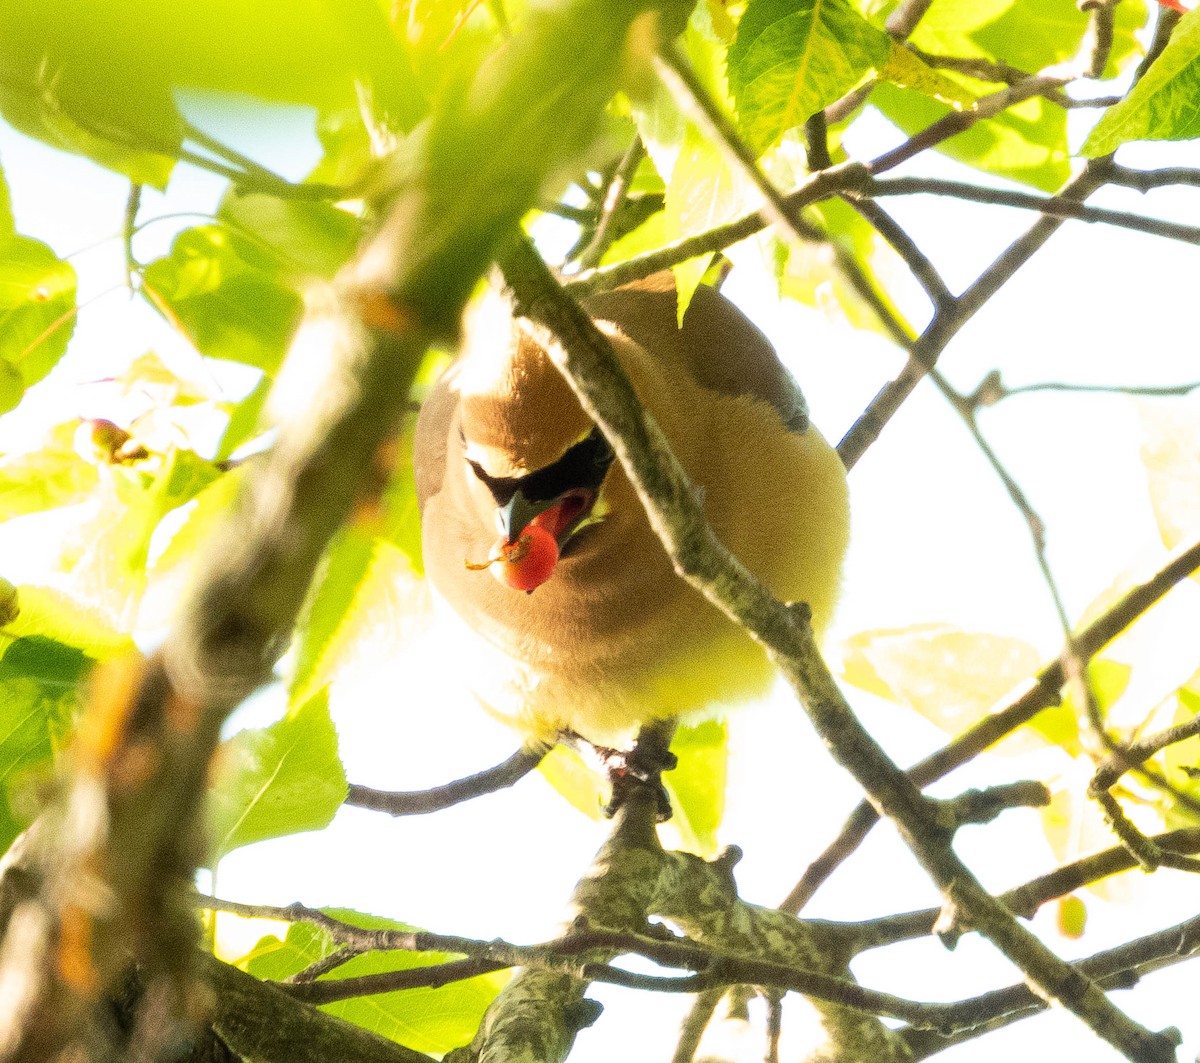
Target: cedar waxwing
point(511, 473)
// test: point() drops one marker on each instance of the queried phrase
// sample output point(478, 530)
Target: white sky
point(935, 539)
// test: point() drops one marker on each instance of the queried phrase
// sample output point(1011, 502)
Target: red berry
point(525, 564)
point(528, 562)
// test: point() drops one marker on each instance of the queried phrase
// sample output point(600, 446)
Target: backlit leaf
point(98, 76)
point(1162, 106)
point(697, 786)
point(37, 312)
point(426, 1020)
point(908, 70)
point(308, 237)
point(1027, 142)
point(1033, 34)
point(276, 780)
point(791, 58)
point(40, 688)
point(54, 475)
point(951, 677)
point(225, 296)
point(1171, 458)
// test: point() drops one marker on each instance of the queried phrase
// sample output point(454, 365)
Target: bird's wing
point(718, 346)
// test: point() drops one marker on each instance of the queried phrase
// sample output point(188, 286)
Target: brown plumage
point(613, 637)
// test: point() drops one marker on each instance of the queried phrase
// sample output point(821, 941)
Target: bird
point(510, 472)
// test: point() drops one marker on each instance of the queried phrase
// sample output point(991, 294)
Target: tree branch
point(669, 499)
point(945, 325)
point(1026, 899)
point(1117, 968)
point(1051, 206)
point(1044, 691)
point(420, 802)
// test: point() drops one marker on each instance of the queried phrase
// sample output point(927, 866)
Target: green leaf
point(367, 597)
point(697, 785)
point(1027, 143)
point(1180, 762)
point(805, 275)
point(365, 602)
point(948, 27)
point(951, 677)
point(1171, 459)
point(226, 296)
point(43, 479)
point(37, 312)
point(40, 682)
point(908, 70)
point(277, 780)
point(791, 58)
point(1071, 917)
point(702, 190)
point(581, 784)
point(307, 237)
point(50, 96)
point(49, 613)
point(97, 76)
point(1059, 724)
point(1034, 34)
point(425, 1020)
point(1162, 106)
point(244, 420)
point(107, 556)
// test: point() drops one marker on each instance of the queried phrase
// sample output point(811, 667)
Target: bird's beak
point(516, 515)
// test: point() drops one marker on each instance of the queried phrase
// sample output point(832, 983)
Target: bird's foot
point(628, 769)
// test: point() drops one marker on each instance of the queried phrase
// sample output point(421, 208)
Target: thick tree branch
point(266, 1024)
point(670, 502)
point(124, 840)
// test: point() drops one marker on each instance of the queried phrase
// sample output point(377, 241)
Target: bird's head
point(535, 463)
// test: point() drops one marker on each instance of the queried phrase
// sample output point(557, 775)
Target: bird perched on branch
point(587, 629)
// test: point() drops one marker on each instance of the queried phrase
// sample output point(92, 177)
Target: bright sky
point(935, 540)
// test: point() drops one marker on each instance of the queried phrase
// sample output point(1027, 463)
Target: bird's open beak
point(560, 516)
point(517, 515)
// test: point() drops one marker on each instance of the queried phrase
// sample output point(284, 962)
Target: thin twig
point(132, 203)
point(676, 73)
point(1098, 41)
point(904, 245)
point(614, 197)
point(942, 329)
point(1165, 391)
point(959, 121)
point(589, 365)
point(901, 22)
point(1164, 27)
point(821, 185)
point(1042, 693)
point(332, 962)
point(420, 802)
point(1117, 968)
point(1026, 899)
point(1144, 180)
point(1052, 206)
point(695, 1022)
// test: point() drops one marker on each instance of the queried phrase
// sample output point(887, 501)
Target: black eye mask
point(584, 464)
